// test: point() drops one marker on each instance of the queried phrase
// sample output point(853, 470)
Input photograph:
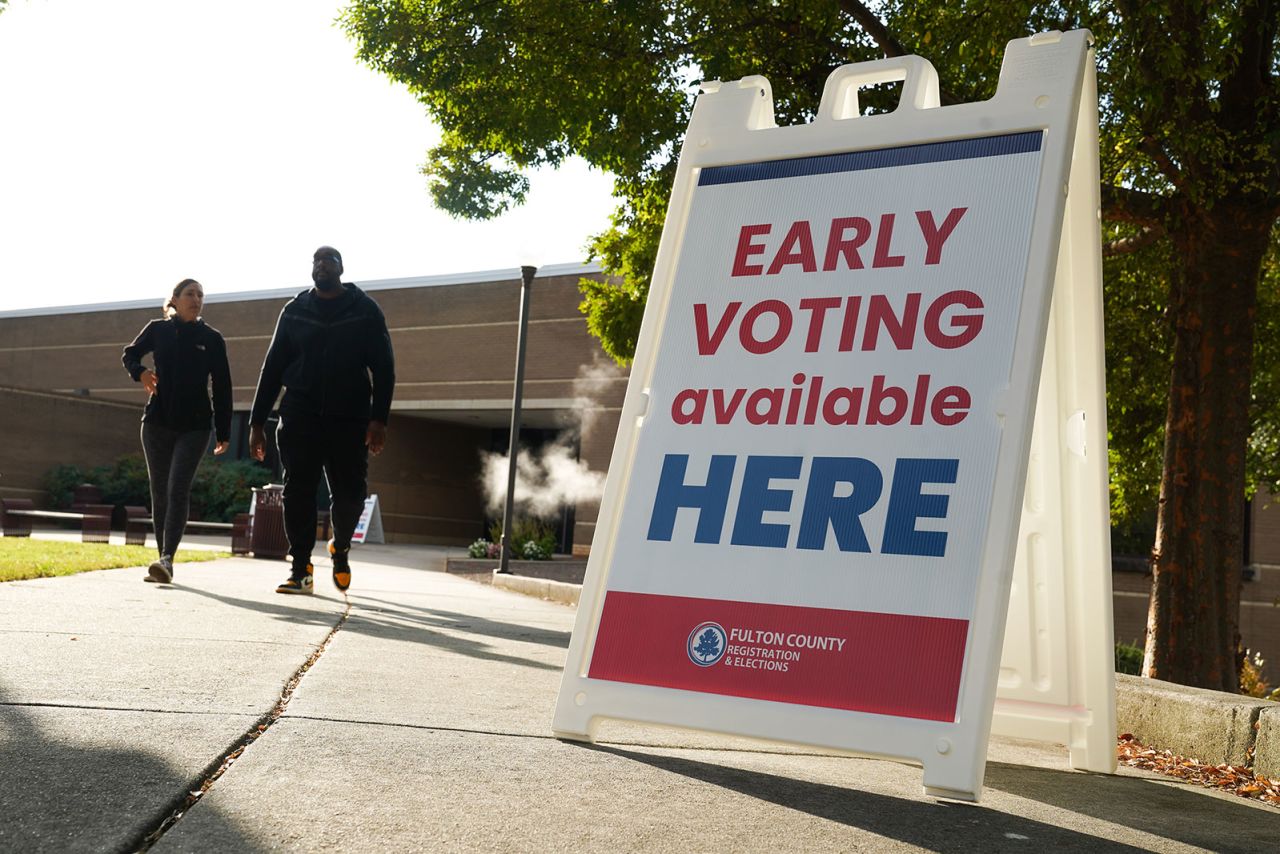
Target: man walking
point(332, 353)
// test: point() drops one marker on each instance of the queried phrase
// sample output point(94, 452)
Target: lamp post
point(527, 273)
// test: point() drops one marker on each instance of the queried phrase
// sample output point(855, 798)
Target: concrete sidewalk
point(424, 724)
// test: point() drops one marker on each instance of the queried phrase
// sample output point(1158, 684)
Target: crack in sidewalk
point(219, 766)
point(93, 708)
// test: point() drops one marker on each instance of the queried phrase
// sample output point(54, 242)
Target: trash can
point(267, 536)
point(85, 493)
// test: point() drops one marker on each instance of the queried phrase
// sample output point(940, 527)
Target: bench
point(137, 522)
point(94, 519)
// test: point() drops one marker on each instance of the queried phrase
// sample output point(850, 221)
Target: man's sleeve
point(132, 356)
point(382, 367)
point(272, 375)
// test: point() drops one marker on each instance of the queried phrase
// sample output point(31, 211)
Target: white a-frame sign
point(820, 495)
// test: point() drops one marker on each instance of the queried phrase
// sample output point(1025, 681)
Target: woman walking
point(187, 353)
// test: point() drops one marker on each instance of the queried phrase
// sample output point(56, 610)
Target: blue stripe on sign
point(880, 158)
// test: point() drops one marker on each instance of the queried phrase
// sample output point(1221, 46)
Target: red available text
point(835, 323)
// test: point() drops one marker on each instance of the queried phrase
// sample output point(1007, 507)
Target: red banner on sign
point(888, 664)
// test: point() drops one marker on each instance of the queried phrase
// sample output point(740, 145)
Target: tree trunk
point(1193, 625)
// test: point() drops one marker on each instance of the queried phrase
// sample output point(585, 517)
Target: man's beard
point(328, 284)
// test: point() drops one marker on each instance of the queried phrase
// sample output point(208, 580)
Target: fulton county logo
point(707, 643)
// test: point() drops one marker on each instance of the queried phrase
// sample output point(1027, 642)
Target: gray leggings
point(172, 459)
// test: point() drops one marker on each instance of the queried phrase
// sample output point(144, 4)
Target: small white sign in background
point(369, 526)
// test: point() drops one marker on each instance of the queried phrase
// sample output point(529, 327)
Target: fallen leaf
point(1224, 777)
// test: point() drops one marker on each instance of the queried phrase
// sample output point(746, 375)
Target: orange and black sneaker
point(341, 569)
point(301, 580)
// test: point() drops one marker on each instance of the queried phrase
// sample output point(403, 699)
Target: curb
point(1266, 754)
point(542, 588)
point(1211, 726)
point(568, 570)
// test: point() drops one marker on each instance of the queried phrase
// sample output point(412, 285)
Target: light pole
point(527, 273)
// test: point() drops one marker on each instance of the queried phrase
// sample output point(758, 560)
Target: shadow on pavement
point(936, 826)
point(393, 626)
point(474, 624)
point(1201, 819)
point(59, 796)
point(395, 629)
point(277, 607)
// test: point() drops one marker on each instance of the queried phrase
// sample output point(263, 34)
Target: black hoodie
point(324, 352)
point(186, 356)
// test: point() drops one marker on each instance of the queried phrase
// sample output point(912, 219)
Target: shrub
point(533, 550)
point(123, 482)
point(221, 489)
point(60, 482)
point(526, 531)
point(1251, 681)
point(482, 548)
point(1129, 659)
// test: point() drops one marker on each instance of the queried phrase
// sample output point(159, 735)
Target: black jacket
point(186, 356)
point(325, 352)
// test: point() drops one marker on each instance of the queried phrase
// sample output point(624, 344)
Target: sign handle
point(919, 85)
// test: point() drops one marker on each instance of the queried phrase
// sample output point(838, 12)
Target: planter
point(567, 569)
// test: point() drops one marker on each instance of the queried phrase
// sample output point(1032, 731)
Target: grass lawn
point(22, 557)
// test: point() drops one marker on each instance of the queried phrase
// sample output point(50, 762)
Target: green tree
point(1189, 179)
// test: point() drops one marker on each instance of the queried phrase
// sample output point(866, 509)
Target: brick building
point(64, 396)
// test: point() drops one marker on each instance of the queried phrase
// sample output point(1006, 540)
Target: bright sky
point(146, 141)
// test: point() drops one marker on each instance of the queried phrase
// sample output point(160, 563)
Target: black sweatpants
point(172, 459)
point(310, 447)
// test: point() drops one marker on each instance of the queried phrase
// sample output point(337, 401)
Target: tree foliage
point(521, 85)
point(1190, 142)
